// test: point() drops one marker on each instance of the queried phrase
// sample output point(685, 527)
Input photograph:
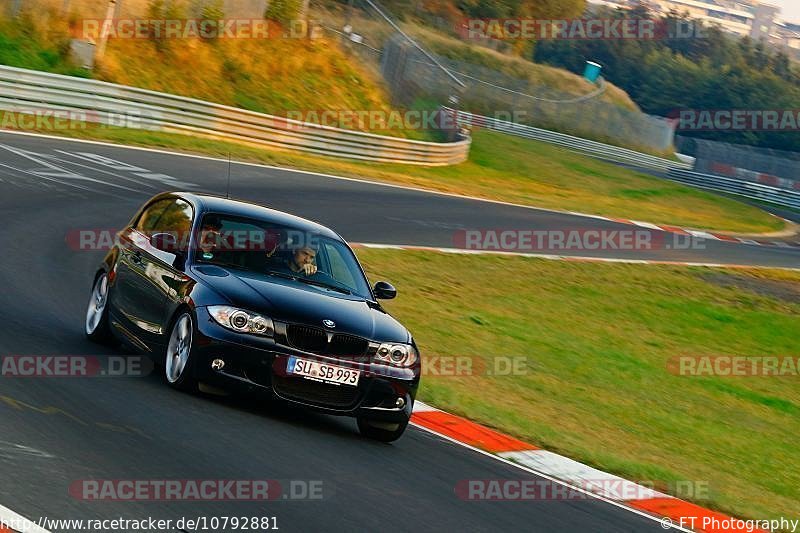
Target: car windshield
point(280, 251)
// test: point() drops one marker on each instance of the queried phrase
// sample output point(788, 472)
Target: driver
point(283, 252)
point(210, 236)
point(302, 261)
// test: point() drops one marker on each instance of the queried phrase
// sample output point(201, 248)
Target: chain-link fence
point(773, 167)
point(495, 94)
point(416, 77)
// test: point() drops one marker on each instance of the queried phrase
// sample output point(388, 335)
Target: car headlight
point(402, 355)
point(242, 321)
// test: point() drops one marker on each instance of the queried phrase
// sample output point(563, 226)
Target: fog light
point(400, 403)
point(217, 364)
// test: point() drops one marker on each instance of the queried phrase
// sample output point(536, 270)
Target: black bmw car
point(229, 293)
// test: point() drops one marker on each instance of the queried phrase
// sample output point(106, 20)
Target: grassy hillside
point(444, 44)
point(538, 75)
point(270, 76)
point(28, 43)
point(265, 75)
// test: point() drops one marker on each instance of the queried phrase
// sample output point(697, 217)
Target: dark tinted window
point(267, 248)
point(176, 218)
point(151, 214)
point(166, 216)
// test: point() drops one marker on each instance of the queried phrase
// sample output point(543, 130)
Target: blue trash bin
point(592, 71)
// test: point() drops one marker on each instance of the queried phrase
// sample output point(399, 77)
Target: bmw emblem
point(329, 323)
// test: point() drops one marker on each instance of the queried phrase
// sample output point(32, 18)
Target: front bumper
point(258, 364)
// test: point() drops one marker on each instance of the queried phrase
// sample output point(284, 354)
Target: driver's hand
point(208, 240)
point(309, 269)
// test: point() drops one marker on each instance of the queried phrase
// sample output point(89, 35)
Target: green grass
point(597, 338)
point(22, 46)
point(506, 168)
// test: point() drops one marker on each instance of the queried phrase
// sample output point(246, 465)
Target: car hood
point(294, 302)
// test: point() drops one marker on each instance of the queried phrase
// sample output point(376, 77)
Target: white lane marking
point(10, 450)
point(56, 171)
point(648, 225)
point(702, 234)
point(7, 516)
point(586, 215)
point(144, 173)
point(620, 505)
point(319, 174)
point(12, 179)
point(74, 185)
point(551, 257)
point(52, 171)
point(420, 407)
point(575, 473)
point(104, 171)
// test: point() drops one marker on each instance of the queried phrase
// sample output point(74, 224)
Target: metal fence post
point(103, 41)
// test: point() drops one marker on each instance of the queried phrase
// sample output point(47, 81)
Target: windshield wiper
point(324, 285)
point(309, 281)
point(281, 275)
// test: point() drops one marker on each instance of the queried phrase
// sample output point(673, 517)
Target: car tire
point(381, 431)
point(96, 326)
point(179, 355)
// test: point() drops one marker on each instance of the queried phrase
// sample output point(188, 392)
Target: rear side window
point(149, 218)
point(175, 219)
point(166, 216)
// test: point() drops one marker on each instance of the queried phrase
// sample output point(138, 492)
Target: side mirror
point(384, 291)
point(165, 242)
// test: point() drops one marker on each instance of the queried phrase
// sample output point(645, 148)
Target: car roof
point(208, 203)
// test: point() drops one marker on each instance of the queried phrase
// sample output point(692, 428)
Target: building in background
point(740, 17)
point(744, 18)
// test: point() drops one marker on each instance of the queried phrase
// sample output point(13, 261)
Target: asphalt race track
point(58, 431)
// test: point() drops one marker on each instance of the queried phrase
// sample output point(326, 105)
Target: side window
point(151, 214)
point(175, 219)
point(338, 266)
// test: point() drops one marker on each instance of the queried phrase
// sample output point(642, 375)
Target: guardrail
point(748, 189)
point(101, 102)
point(593, 148)
point(679, 171)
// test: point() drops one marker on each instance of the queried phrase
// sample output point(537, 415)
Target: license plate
point(322, 371)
